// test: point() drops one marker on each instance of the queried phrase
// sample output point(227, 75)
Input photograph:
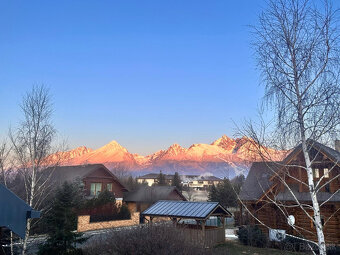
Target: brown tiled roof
point(151, 194)
point(60, 174)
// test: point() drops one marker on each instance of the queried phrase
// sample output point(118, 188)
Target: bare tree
point(4, 161)
point(297, 48)
point(190, 194)
point(4, 168)
point(32, 143)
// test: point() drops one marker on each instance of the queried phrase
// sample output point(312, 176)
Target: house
point(95, 177)
point(145, 196)
point(201, 222)
point(262, 187)
point(14, 212)
point(200, 182)
point(197, 182)
point(152, 179)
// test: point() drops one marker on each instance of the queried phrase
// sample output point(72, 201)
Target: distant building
point(152, 179)
point(198, 182)
point(95, 177)
point(146, 196)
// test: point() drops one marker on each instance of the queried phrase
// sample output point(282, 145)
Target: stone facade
point(84, 223)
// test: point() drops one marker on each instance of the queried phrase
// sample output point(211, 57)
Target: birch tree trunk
point(316, 207)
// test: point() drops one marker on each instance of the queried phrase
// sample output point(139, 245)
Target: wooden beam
point(300, 178)
point(203, 228)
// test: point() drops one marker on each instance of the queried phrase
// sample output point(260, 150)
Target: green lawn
point(235, 248)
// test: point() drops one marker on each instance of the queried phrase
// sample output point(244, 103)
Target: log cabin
point(273, 190)
point(95, 178)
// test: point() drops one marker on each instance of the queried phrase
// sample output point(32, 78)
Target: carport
point(202, 222)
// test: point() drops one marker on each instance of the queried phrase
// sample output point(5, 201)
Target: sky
point(145, 73)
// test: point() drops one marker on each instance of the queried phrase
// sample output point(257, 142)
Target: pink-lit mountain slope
point(111, 154)
point(225, 156)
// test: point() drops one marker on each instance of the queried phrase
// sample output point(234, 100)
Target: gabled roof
point(152, 194)
point(14, 212)
point(329, 152)
point(186, 209)
point(61, 174)
point(208, 178)
point(257, 180)
point(155, 176)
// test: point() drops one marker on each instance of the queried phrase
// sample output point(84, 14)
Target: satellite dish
point(291, 220)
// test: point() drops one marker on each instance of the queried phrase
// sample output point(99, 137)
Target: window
point(325, 173)
point(109, 187)
point(316, 173)
point(96, 188)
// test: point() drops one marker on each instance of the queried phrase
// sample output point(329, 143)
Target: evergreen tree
point(213, 194)
point(226, 194)
point(161, 179)
point(176, 181)
point(223, 193)
point(62, 221)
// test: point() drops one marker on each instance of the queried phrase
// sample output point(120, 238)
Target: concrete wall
point(84, 223)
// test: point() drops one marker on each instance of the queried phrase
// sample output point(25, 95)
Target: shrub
point(124, 212)
point(294, 244)
point(156, 239)
point(252, 235)
point(333, 250)
point(108, 212)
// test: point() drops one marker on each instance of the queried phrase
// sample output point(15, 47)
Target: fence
point(210, 237)
point(84, 223)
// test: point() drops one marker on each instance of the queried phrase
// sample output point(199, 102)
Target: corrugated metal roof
point(183, 209)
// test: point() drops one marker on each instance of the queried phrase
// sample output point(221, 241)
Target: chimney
point(337, 145)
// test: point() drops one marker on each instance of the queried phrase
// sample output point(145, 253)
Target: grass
point(235, 248)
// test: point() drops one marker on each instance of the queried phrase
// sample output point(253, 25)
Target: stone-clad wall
point(84, 223)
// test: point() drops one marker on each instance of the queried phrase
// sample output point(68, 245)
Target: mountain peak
point(113, 145)
point(176, 146)
point(175, 149)
point(225, 142)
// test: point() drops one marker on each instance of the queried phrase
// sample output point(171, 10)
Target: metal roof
point(14, 212)
point(185, 209)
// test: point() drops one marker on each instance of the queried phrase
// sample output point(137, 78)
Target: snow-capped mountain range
point(224, 157)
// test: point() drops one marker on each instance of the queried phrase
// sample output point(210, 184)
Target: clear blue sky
point(144, 73)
